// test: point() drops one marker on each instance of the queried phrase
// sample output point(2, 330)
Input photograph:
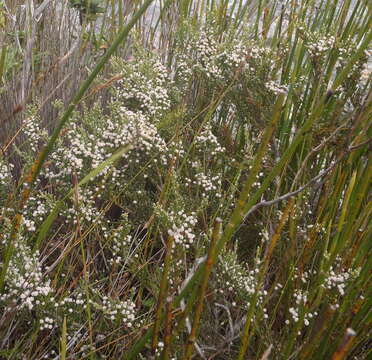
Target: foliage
point(206, 194)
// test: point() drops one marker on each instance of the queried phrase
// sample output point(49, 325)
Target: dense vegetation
point(185, 180)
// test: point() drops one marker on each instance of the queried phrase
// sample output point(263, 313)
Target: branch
point(315, 150)
point(312, 181)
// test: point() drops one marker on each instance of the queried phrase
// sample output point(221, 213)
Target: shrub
point(210, 197)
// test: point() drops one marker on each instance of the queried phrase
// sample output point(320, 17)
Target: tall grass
point(201, 190)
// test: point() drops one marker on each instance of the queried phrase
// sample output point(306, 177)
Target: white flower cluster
point(300, 298)
point(34, 212)
point(338, 280)
point(84, 151)
point(183, 71)
point(205, 51)
point(206, 140)
point(29, 224)
point(276, 88)
point(360, 72)
point(366, 73)
point(5, 173)
point(159, 349)
point(82, 148)
point(46, 323)
point(235, 56)
point(68, 157)
point(294, 313)
point(235, 278)
point(34, 134)
point(259, 178)
point(176, 149)
point(145, 134)
point(334, 280)
point(113, 309)
point(26, 286)
point(321, 45)
point(183, 228)
point(295, 316)
point(208, 184)
point(261, 53)
point(72, 303)
point(86, 211)
point(221, 61)
point(144, 86)
point(305, 276)
point(120, 244)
